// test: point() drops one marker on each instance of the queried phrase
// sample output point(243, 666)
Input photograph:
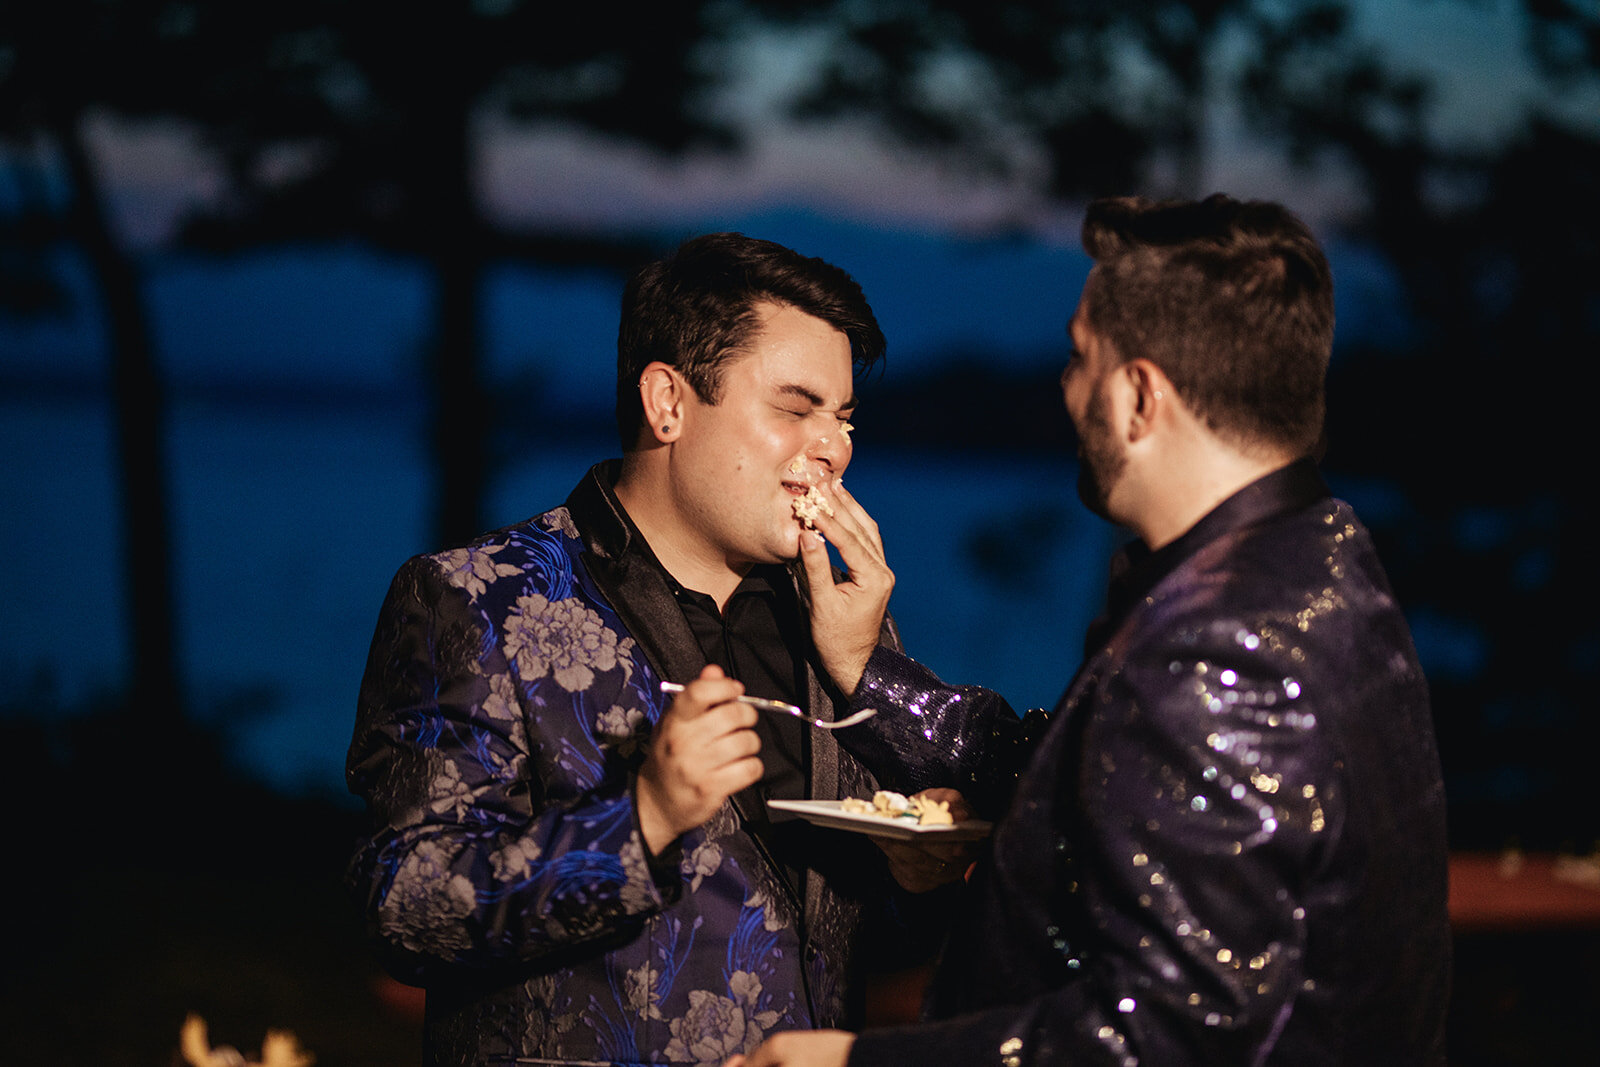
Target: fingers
point(710, 689)
point(799, 1048)
point(920, 869)
point(712, 755)
point(814, 558)
point(850, 508)
point(923, 865)
point(702, 751)
point(847, 618)
point(854, 532)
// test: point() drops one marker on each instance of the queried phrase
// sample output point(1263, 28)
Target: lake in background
point(288, 525)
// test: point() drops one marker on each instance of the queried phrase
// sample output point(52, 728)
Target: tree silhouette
point(377, 116)
point(1094, 96)
point(62, 62)
point(384, 116)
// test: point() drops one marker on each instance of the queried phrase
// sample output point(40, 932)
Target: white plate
point(831, 813)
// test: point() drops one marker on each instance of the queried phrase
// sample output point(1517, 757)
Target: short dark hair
point(1232, 300)
point(698, 307)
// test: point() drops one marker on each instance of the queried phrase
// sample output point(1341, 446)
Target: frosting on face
point(808, 505)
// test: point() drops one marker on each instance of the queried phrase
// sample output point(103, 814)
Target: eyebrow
point(812, 398)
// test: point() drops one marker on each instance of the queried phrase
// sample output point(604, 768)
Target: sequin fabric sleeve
point(928, 733)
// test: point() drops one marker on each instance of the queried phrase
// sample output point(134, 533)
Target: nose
point(832, 448)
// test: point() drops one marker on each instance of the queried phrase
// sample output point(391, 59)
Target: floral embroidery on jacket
point(429, 902)
point(621, 729)
point(452, 795)
point(638, 891)
point(514, 861)
point(559, 521)
point(639, 991)
point(701, 863)
point(717, 1027)
point(565, 639)
point(474, 567)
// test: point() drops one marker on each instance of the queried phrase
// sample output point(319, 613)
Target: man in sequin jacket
point(1229, 847)
point(575, 869)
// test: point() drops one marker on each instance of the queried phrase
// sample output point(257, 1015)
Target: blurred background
point(291, 291)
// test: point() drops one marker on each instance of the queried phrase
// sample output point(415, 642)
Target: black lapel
point(644, 601)
point(635, 587)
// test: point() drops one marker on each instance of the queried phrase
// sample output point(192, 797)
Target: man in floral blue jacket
point(575, 868)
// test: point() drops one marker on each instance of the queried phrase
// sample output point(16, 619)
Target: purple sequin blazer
point(1229, 847)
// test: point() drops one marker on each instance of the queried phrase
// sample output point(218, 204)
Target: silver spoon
point(789, 709)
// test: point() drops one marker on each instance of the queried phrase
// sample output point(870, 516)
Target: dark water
point(289, 524)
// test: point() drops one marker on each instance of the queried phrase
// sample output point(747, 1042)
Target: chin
point(1090, 493)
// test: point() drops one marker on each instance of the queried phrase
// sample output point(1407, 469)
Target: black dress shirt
point(753, 639)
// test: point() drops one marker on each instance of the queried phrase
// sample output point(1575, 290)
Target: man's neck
point(657, 519)
point(1186, 492)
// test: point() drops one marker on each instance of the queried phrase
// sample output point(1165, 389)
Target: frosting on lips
point(808, 505)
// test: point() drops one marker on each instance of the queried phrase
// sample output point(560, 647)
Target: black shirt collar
point(601, 519)
point(608, 531)
point(1136, 570)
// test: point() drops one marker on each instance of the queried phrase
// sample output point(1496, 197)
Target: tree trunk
point(138, 403)
point(452, 235)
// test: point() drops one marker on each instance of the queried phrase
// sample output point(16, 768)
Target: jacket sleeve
point(500, 800)
point(1195, 815)
point(927, 733)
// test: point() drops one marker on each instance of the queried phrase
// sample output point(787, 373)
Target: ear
point(661, 394)
point(1150, 397)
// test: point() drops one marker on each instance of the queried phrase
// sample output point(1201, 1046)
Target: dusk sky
point(1473, 52)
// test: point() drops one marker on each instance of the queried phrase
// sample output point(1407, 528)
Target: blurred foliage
point(1094, 96)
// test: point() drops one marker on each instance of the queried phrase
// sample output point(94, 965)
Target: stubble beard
point(1100, 463)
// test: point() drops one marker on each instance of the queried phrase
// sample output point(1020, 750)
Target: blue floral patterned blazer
point(507, 701)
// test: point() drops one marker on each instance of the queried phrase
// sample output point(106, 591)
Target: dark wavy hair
point(697, 308)
point(1232, 300)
